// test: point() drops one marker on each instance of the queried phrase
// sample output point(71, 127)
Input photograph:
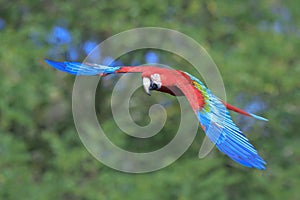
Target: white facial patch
point(155, 78)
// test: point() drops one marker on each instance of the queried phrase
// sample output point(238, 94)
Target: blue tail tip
point(259, 117)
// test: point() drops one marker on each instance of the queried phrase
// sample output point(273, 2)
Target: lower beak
point(146, 84)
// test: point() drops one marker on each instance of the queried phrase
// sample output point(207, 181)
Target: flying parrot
point(212, 112)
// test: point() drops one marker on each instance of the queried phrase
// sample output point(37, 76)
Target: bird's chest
point(172, 90)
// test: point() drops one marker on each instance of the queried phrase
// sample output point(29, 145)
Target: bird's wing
point(219, 127)
point(80, 69)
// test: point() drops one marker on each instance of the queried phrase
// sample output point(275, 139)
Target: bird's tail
point(243, 112)
point(80, 69)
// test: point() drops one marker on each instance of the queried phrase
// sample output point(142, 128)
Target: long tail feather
point(243, 112)
point(80, 69)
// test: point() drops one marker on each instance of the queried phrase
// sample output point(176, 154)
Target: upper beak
point(146, 84)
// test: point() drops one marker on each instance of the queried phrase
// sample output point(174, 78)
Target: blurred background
point(255, 44)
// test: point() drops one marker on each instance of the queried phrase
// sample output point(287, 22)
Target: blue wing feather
point(81, 69)
point(221, 130)
point(229, 139)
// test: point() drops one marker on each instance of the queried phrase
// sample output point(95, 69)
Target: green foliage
point(41, 154)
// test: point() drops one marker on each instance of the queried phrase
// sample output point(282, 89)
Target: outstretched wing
point(220, 129)
point(81, 69)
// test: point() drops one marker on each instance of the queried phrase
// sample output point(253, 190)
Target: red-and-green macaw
point(209, 109)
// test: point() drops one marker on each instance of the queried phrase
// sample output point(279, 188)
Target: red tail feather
point(235, 109)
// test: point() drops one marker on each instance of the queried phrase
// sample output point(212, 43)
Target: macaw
point(217, 125)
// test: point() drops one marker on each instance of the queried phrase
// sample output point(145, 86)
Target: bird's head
point(151, 82)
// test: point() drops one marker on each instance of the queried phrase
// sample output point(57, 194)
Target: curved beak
point(146, 84)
